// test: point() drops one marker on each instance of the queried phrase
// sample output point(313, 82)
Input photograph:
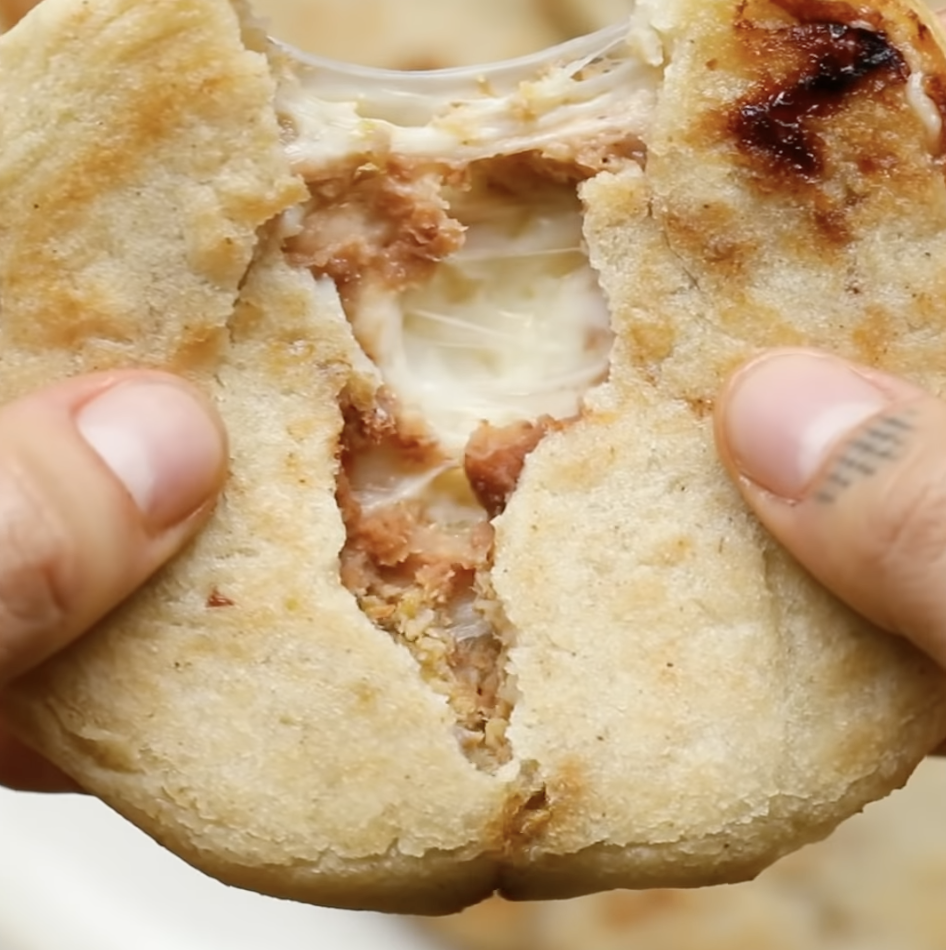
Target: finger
point(25, 770)
point(102, 479)
point(12, 11)
point(847, 468)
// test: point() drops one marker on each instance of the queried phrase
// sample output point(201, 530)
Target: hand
point(846, 466)
point(102, 479)
point(12, 11)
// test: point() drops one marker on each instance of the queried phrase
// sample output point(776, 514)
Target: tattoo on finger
point(882, 442)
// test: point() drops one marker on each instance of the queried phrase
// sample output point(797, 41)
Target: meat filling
point(418, 565)
point(470, 290)
point(494, 459)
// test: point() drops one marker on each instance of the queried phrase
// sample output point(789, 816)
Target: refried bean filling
point(471, 292)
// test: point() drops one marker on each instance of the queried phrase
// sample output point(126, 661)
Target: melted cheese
point(591, 86)
point(511, 327)
point(925, 108)
point(514, 325)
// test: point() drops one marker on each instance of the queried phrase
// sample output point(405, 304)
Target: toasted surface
point(737, 672)
point(875, 884)
point(94, 185)
point(686, 705)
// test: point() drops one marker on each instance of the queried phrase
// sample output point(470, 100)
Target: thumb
point(846, 466)
point(102, 479)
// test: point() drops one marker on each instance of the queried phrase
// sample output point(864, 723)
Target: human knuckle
point(39, 564)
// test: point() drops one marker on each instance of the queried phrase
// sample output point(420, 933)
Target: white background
point(75, 876)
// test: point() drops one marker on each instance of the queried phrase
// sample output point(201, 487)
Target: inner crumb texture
point(471, 291)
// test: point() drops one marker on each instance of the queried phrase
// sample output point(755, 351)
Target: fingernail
point(160, 443)
point(786, 412)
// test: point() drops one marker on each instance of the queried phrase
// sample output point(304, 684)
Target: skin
point(146, 457)
point(11, 11)
point(851, 478)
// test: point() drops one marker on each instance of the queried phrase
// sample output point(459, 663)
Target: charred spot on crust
point(837, 60)
point(701, 406)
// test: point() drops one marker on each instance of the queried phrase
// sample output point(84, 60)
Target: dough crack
point(473, 295)
point(456, 243)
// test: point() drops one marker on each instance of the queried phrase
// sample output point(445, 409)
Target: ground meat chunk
point(495, 457)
